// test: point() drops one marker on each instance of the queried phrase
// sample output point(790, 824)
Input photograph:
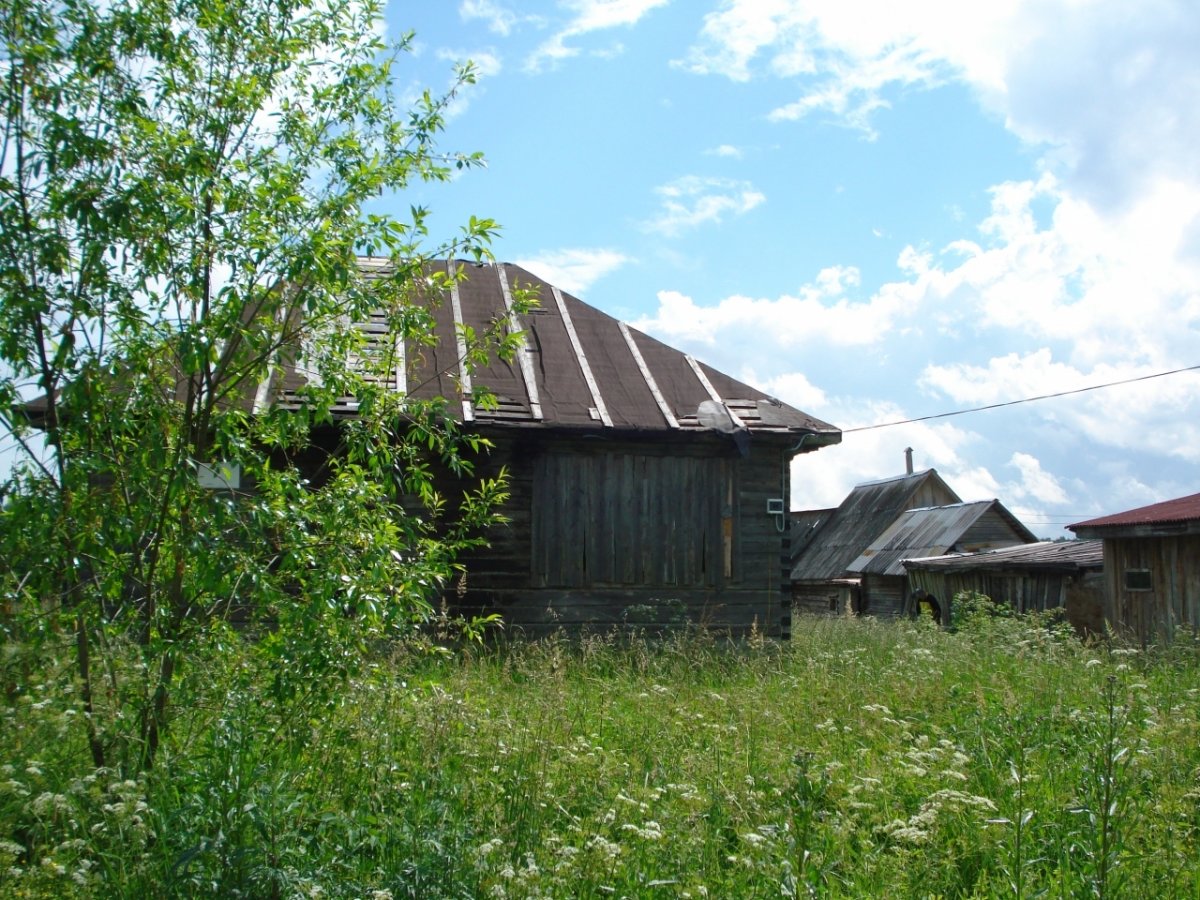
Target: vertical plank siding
point(616, 532)
point(1173, 601)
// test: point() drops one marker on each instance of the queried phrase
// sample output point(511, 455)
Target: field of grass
point(863, 759)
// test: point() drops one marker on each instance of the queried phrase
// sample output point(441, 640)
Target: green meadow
point(862, 759)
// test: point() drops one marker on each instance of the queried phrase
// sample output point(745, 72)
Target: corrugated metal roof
point(580, 368)
point(1067, 556)
point(1182, 509)
point(931, 531)
point(804, 525)
point(867, 510)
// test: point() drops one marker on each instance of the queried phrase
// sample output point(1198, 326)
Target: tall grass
point(862, 759)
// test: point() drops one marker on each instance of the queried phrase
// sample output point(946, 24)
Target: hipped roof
point(578, 368)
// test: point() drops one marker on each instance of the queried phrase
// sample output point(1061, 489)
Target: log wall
point(627, 532)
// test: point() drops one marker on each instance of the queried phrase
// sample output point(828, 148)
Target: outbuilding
point(1151, 566)
point(1067, 575)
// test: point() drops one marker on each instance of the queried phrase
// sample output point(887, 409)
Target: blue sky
point(874, 211)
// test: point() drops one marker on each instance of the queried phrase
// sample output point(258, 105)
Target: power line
point(974, 409)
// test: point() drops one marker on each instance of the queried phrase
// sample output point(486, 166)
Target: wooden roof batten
point(576, 366)
point(460, 341)
point(524, 355)
point(712, 391)
point(581, 357)
point(648, 377)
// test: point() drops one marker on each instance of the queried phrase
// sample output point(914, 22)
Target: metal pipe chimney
point(908, 467)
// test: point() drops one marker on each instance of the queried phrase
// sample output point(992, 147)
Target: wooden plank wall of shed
point(1174, 600)
point(1024, 592)
point(605, 532)
point(988, 532)
point(820, 598)
point(884, 595)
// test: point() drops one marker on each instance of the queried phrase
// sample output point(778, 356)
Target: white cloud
point(590, 16)
point(498, 18)
point(819, 315)
point(692, 200)
point(485, 63)
point(1104, 86)
point(1086, 298)
point(1036, 484)
point(575, 269)
point(822, 479)
point(726, 150)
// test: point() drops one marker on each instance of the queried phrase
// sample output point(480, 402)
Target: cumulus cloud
point(499, 19)
point(1102, 85)
point(820, 314)
point(822, 479)
point(590, 16)
point(691, 201)
point(1086, 298)
point(574, 269)
point(1035, 483)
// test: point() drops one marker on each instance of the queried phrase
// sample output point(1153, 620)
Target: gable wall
point(989, 532)
point(1174, 598)
point(625, 531)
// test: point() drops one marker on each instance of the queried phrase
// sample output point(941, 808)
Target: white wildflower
point(488, 847)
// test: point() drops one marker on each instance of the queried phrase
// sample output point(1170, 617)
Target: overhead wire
point(975, 409)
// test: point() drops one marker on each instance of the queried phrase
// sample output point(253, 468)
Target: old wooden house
point(646, 487)
point(924, 532)
point(1151, 567)
point(1047, 575)
point(832, 540)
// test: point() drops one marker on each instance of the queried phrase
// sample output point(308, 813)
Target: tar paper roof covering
point(579, 368)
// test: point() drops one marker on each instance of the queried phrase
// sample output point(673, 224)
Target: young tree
point(182, 190)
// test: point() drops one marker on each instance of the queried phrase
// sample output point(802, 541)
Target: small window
point(1138, 580)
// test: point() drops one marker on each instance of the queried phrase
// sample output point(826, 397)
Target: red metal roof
point(1182, 509)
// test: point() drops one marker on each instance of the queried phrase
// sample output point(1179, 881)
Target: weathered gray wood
point(460, 344)
point(524, 357)
point(712, 391)
point(584, 366)
point(648, 376)
point(635, 522)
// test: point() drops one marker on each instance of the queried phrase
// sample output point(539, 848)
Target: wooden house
point(1151, 567)
point(821, 577)
point(1029, 577)
point(647, 488)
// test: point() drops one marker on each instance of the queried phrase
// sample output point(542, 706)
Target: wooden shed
point(1029, 577)
point(1151, 567)
point(930, 531)
point(647, 488)
point(833, 540)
